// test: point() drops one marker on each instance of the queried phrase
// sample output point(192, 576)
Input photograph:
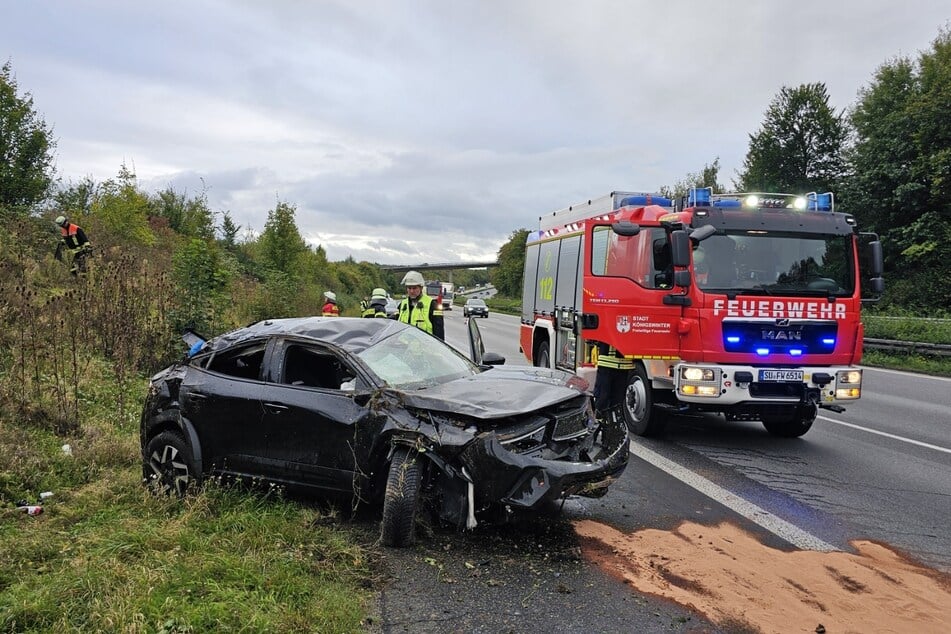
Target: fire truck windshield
point(772, 263)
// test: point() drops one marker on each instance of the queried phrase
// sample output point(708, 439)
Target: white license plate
point(780, 375)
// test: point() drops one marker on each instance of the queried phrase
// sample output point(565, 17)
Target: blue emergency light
point(699, 196)
point(820, 202)
point(647, 199)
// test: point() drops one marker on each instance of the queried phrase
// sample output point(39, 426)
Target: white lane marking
point(886, 434)
point(776, 525)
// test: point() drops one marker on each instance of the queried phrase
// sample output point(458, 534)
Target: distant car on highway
point(475, 307)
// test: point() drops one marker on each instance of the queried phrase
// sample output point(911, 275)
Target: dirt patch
point(727, 575)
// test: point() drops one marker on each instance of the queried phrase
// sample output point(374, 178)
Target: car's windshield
point(413, 359)
point(476, 302)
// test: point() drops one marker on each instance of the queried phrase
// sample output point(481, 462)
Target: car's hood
point(499, 392)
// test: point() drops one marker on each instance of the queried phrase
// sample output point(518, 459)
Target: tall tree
point(281, 242)
point(800, 146)
point(229, 231)
point(26, 148)
point(507, 278)
point(900, 184)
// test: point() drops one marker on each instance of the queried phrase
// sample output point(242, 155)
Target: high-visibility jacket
point(424, 314)
point(74, 236)
point(375, 308)
point(609, 357)
point(330, 310)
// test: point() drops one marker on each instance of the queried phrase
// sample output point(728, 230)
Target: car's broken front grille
point(570, 425)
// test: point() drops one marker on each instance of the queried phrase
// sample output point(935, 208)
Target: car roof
point(475, 300)
point(351, 333)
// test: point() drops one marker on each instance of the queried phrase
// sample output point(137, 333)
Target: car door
point(222, 399)
point(315, 408)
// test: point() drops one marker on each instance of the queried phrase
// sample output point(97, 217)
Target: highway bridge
point(439, 266)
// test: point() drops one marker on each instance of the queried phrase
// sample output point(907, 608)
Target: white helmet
point(330, 295)
point(61, 221)
point(413, 278)
point(378, 293)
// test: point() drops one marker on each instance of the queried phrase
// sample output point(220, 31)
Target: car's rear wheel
point(169, 465)
point(401, 498)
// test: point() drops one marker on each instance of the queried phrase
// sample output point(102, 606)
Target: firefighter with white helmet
point(330, 308)
point(74, 239)
point(419, 309)
point(376, 305)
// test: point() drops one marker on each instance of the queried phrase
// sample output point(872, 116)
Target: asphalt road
point(879, 471)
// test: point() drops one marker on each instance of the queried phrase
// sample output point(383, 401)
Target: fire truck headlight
point(849, 377)
point(799, 203)
point(848, 384)
point(751, 201)
point(698, 374)
point(697, 381)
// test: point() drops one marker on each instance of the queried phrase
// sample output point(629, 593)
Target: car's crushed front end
point(507, 441)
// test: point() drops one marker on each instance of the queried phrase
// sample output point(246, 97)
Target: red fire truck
point(744, 304)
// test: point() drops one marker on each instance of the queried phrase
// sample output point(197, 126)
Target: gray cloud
point(428, 131)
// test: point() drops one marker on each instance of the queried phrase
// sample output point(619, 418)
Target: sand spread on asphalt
point(724, 573)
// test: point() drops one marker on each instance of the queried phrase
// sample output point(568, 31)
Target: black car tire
point(169, 465)
point(401, 498)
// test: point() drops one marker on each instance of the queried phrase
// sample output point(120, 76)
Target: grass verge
point(107, 555)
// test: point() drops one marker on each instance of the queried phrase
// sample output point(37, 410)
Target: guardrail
point(908, 347)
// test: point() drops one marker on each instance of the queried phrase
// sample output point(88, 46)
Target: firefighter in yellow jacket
point(419, 309)
point(611, 380)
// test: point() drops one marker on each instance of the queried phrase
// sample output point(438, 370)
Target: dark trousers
point(609, 387)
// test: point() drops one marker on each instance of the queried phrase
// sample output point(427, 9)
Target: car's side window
point(308, 366)
point(243, 362)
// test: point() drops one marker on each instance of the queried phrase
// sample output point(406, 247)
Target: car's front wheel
point(169, 465)
point(401, 498)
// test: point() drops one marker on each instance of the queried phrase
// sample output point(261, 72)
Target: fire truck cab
point(744, 304)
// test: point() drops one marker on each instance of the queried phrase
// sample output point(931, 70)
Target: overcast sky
point(428, 131)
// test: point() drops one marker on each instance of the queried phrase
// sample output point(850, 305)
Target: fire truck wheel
point(638, 406)
point(542, 358)
point(793, 425)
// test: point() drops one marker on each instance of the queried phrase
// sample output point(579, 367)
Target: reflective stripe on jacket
point(418, 314)
point(611, 358)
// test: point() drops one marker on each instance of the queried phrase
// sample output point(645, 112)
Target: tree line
point(886, 158)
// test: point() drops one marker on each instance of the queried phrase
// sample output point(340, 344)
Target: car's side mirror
point(492, 358)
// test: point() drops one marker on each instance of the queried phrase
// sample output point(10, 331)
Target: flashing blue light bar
point(699, 196)
point(727, 203)
point(820, 202)
point(762, 351)
point(795, 352)
point(647, 199)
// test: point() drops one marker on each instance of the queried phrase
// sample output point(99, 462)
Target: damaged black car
point(379, 410)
